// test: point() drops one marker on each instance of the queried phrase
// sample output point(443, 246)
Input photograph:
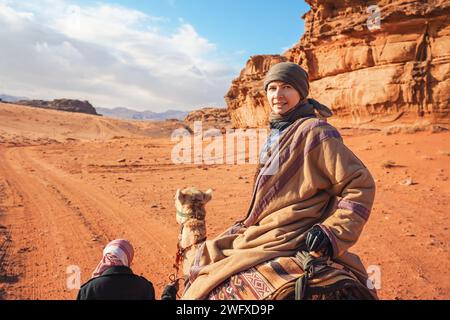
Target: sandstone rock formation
point(368, 63)
point(61, 104)
point(217, 118)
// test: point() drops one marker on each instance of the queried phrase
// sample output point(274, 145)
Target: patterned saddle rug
point(279, 279)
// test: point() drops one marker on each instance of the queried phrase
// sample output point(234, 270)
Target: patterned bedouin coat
point(313, 179)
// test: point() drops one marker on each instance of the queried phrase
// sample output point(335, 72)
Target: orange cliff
point(389, 62)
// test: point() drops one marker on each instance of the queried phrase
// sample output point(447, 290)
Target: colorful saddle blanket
point(266, 279)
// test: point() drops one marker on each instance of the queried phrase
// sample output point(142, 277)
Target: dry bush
point(388, 164)
point(437, 128)
point(403, 128)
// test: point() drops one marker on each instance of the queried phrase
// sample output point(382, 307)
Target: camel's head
point(190, 203)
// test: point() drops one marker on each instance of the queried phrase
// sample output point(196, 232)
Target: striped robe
point(317, 181)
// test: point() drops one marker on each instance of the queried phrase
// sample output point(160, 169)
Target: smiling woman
point(282, 97)
point(311, 198)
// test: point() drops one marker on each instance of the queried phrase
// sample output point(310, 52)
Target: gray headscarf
point(291, 73)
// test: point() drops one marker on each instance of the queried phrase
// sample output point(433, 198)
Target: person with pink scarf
point(113, 278)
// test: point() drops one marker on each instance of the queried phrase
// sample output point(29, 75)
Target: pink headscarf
point(118, 252)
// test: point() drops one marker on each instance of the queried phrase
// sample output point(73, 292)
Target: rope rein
point(179, 256)
point(309, 265)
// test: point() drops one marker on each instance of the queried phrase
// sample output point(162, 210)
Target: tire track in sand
point(64, 221)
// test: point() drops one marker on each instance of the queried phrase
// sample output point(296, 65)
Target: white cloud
point(109, 55)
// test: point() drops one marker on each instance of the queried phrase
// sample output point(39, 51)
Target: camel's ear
point(179, 196)
point(207, 195)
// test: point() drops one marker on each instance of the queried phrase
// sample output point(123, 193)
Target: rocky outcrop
point(389, 61)
point(217, 118)
point(61, 104)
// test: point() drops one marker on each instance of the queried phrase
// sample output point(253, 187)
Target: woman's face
point(282, 97)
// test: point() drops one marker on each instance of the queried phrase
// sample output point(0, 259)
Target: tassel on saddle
point(309, 266)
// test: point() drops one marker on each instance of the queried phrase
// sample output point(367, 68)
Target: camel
point(190, 215)
point(190, 207)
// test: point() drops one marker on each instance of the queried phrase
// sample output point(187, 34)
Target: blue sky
point(249, 27)
point(145, 55)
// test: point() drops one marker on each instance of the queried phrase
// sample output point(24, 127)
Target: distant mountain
point(7, 98)
point(125, 113)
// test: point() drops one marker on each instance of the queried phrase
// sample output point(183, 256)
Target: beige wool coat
point(314, 179)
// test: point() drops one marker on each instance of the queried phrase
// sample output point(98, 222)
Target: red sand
point(64, 195)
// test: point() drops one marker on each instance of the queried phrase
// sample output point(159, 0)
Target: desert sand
point(69, 183)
